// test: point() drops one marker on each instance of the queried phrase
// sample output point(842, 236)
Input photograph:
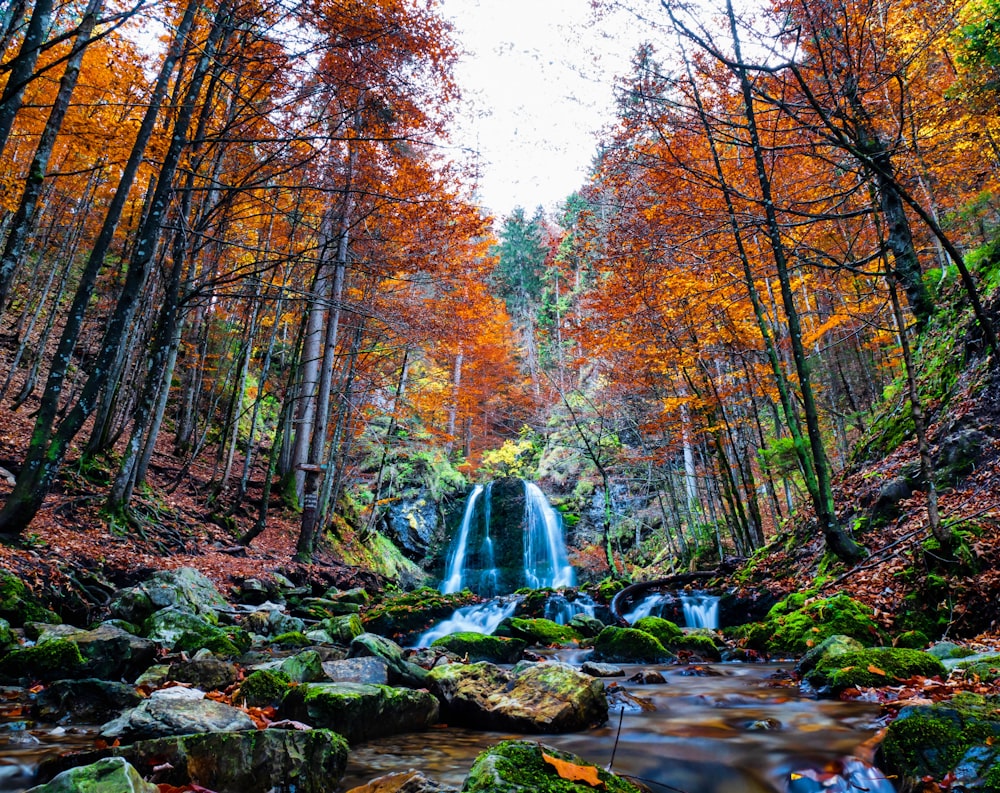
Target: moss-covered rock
point(52, 660)
point(404, 616)
point(699, 645)
point(985, 669)
point(663, 630)
point(828, 649)
point(109, 775)
point(912, 640)
point(262, 687)
point(360, 712)
point(7, 637)
point(183, 631)
point(608, 588)
point(629, 646)
point(291, 639)
point(185, 589)
point(585, 625)
point(175, 711)
point(872, 667)
point(546, 697)
point(343, 628)
point(481, 647)
point(538, 631)
point(18, 605)
point(521, 767)
point(798, 623)
point(957, 740)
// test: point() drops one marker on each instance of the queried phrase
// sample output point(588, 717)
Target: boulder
point(586, 625)
point(957, 455)
point(957, 742)
point(304, 667)
point(343, 629)
point(205, 671)
point(262, 688)
point(664, 631)
point(826, 651)
point(179, 630)
point(257, 761)
point(629, 646)
point(474, 647)
point(358, 711)
point(601, 670)
point(87, 701)
point(537, 631)
point(53, 660)
point(271, 622)
point(110, 775)
point(529, 767)
point(400, 670)
point(871, 667)
point(357, 670)
point(185, 589)
point(544, 697)
point(800, 622)
point(175, 711)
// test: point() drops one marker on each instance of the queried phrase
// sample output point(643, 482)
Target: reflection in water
point(741, 732)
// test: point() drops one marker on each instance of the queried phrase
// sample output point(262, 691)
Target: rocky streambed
point(278, 688)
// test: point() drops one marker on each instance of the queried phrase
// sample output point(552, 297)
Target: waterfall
point(545, 560)
point(561, 609)
point(453, 576)
point(501, 546)
point(480, 618)
point(701, 610)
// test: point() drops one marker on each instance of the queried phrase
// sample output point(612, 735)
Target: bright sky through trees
point(538, 82)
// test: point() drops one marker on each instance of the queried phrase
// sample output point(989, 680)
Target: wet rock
point(629, 646)
point(357, 670)
point(537, 631)
point(475, 647)
point(890, 494)
point(522, 767)
point(403, 782)
point(304, 667)
point(601, 670)
point(185, 589)
point(262, 688)
point(175, 711)
point(360, 712)
point(401, 671)
point(271, 622)
point(205, 672)
point(620, 700)
point(957, 455)
point(179, 630)
point(647, 677)
point(109, 651)
point(90, 701)
point(343, 629)
point(826, 650)
point(411, 524)
point(586, 625)
point(945, 741)
point(544, 697)
point(875, 666)
point(254, 591)
point(52, 660)
point(110, 775)
point(255, 761)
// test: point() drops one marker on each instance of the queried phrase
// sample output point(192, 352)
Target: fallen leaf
point(875, 670)
point(573, 772)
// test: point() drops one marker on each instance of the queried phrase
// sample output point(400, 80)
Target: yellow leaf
point(875, 670)
point(574, 772)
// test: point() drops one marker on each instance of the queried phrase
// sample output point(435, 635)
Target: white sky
point(537, 84)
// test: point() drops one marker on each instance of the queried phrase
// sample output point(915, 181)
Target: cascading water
point(545, 561)
point(560, 609)
point(479, 618)
point(493, 554)
point(453, 576)
point(700, 609)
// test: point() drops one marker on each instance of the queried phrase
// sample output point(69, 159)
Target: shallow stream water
point(715, 728)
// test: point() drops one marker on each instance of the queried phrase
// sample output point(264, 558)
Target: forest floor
point(72, 548)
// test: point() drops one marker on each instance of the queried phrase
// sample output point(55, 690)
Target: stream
point(726, 727)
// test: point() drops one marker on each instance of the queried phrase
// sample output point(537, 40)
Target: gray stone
point(185, 588)
point(601, 670)
point(175, 711)
point(110, 775)
point(90, 701)
point(357, 670)
point(401, 671)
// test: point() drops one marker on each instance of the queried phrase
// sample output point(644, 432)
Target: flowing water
point(719, 728)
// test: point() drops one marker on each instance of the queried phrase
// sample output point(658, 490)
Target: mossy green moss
point(665, 631)
point(7, 638)
point(51, 660)
point(701, 644)
point(262, 688)
point(913, 640)
point(873, 667)
point(987, 670)
point(519, 767)
point(18, 605)
point(480, 647)
point(628, 645)
point(538, 631)
point(608, 588)
point(414, 612)
point(931, 740)
point(798, 623)
point(533, 602)
point(291, 639)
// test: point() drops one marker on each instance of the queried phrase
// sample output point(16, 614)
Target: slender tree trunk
point(22, 67)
